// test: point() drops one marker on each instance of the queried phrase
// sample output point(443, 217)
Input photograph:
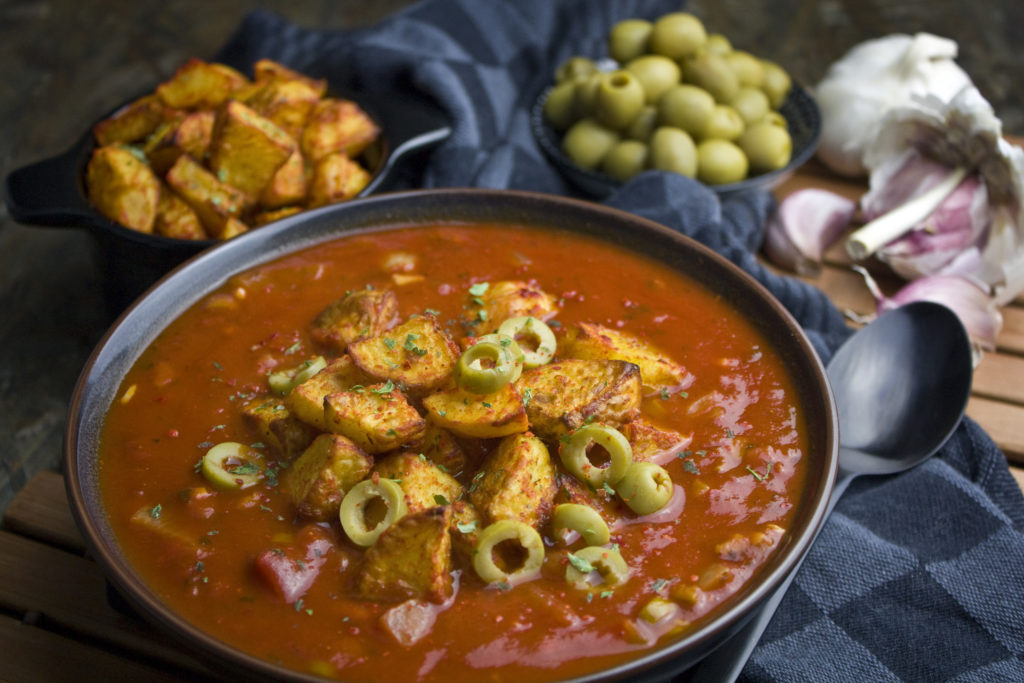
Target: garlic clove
point(972, 303)
point(806, 223)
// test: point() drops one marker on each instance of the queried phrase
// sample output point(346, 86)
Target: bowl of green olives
point(670, 96)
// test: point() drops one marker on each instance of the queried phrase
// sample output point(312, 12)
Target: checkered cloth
point(916, 577)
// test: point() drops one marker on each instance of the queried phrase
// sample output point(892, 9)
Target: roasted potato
point(189, 134)
point(175, 218)
point(278, 427)
point(337, 125)
point(336, 178)
point(517, 481)
point(123, 187)
point(358, 315)
point(425, 485)
point(247, 149)
point(657, 371)
point(213, 201)
point(418, 353)
point(478, 416)
point(288, 186)
point(318, 480)
point(649, 441)
point(132, 122)
point(499, 301)
point(411, 559)
point(200, 85)
point(377, 417)
point(306, 400)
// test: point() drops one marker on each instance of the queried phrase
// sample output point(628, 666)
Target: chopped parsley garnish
point(390, 343)
point(479, 289)
point(579, 564)
point(527, 396)
point(608, 488)
point(431, 311)
point(658, 585)
point(156, 511)
point(293, 348)
point(440, 500)
point(757, 475)
point(466, 528)
point(690, 466)
point(385, 388)
point(664, 394)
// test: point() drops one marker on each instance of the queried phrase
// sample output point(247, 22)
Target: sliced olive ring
point(508, 530)
point(573, 452)
point(232, 465)
point(283, 381)
point(484, 368)
point(582, 519)
point(527, 328)
point(645, 488)
point(515, 352)
point(355, 504)
point(606, 563)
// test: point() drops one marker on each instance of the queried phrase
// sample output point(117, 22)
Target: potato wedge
point(285, 102)
point(425, 485)
point(318, 480)
point(657, 370)
point(200, 85)
point(336, 178)
point(506, 299)
point(264, 217)
point(278, 427)
point(411, 559)
point(306, 400)
point(189, 134)
point(517, 481)
point(651, 443)
point(478, 416)
point(376, 417)
point(337, 125)
point(288, 186)
point(360, 314)
point(562, 396)
point(123, 188)
point(132, 122)
point(175, 218)
point(418, 353)
point(269, 70)
point(247, 149)
point(213, 201)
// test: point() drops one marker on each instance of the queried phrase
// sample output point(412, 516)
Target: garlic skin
point(970, 301)
point(873, 78)
point(805, 224)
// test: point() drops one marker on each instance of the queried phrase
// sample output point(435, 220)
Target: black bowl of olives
point(672, 97)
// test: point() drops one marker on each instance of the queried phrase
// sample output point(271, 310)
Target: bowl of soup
point(450, 434)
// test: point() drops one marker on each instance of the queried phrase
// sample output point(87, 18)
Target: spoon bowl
point(901, 386)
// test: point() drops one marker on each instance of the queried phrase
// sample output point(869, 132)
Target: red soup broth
point(739, 470)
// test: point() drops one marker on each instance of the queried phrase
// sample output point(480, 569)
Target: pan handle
point(47, 193)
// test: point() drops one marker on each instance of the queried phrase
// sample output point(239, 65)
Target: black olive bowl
point(52, 192)
point(803, 118)
point(190, 282)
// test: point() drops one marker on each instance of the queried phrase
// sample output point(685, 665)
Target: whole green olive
point(711, 72)
point(620, 96)
point(672, 149)
point(751, 103)
point(686, 106)
point(776, 83)
point(725, 123)
point(645, 488)
point(641, 127)
point(656, 74)
point(584, 101)
point(720, 162)
point(776, 119)
point(677, 35)
point(587, 142)
point(560, 105)
point(768, 147)
point(575, 68)
point(628, 39)
point(746, 66)
point(625, 159)
point(717, 44)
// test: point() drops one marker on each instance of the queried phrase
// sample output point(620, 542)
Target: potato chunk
point(357, 315)
point(213, 201)
point(285, 102)
point(189, 134)
point(247, 149)
point(318, 480)
point(336, 178)
point(657, 370)
point(268, 70)
point(478, 416)
point(200, 85)
point(175, 218)
point(131, 123)
point(425, 485)
point(123, 188)
point(508, 299)
point(517, 481)
point(288, 185)
point(278, 427)
point(337, 125)
point(563, 395)
point(376, 417)
point(652, 443)
point(443, 449)
point(306, 400)
point(418, 353)
point(411, 559)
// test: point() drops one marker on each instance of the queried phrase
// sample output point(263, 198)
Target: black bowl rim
point(598, 184)
point(176, 291)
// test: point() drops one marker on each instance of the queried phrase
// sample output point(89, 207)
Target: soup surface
point(268, 567)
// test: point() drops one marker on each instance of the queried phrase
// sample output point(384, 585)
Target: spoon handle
point(724, 664)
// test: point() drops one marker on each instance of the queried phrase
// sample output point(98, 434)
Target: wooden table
point(57, 621)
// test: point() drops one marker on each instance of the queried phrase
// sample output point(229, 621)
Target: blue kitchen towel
point(916, 577)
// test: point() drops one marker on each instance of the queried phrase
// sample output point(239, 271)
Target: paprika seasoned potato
point(238, 152)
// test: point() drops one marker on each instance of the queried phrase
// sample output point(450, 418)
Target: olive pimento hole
point(598, 456)
point(374, 512)
point(509, 556)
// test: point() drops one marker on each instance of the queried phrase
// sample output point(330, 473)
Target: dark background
point(66, 63)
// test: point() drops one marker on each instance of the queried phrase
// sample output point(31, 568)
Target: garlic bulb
point(873, 78)
point(806, 223)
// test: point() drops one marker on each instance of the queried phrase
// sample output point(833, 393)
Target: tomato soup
point(261, 563)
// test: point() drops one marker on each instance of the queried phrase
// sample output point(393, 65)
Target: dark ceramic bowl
point(52, 193)
point(186, 285)
point(802, 116)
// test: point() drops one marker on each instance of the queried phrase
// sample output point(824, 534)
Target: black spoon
point(901, 384)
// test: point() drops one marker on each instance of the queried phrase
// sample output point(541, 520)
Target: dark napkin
point(915, 577)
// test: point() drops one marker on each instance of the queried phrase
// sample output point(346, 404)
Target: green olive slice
point(485, 367)
point(645, 488)
point(596, 567)
point(574, 455)
point(232, 465)
point(357, 509)
point(534, 337)
point(522, 535)
point(513, 349)
point(283, 381)
point(582, 519)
